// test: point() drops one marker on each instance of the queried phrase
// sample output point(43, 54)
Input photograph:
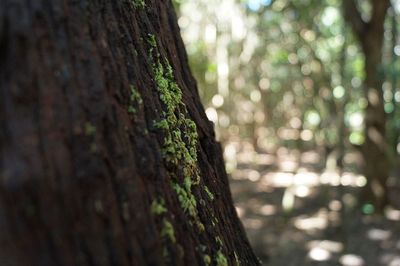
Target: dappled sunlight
point(310, 157)
point(286, 195)
point(331, 246)
point(330, 178)
point(306, 178)
point(302, 191)
point(268, 210)
point(265, 159)
point(377, 234)
point(392, 214)
point(390, 259)
point(252, 223)
point(240, 211)
point(302, 208)
point(316, 222)
point(311, 179)
point(319, 254)
point(278, 179)
point(351, 260)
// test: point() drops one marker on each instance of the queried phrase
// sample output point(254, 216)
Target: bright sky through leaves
point(255, 5)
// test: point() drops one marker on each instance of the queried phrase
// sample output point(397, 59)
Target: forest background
point(305, 98)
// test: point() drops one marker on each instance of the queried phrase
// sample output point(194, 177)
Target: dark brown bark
point(375, 148)
point(84, 175)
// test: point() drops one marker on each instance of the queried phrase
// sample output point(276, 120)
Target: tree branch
point(353, 16)
point(379, 10)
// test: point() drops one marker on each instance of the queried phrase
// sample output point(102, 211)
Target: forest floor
point(295, 212)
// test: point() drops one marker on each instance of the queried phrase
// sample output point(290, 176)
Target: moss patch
point(219, 241)
point(158, 207)
point(168, 231)
point(187, 200)
point(220, 259)
point(90, 129)
point(207, 259)
point(140, 4)
point(135, 99)
point(210, 195)
point(179, 148)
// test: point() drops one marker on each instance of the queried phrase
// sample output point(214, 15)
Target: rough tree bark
point(370, 35)
point(107, 157)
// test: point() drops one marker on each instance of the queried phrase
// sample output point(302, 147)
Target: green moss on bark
point(210, 195)
point(158, 206)
point(140, 4)
point(179, 148)
point(168, 231)
point(220, 259)
point(135, 99)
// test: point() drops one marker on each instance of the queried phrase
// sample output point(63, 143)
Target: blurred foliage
point(286, 73)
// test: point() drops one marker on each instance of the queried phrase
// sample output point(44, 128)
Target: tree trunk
point(107, 157)
point(375, 148)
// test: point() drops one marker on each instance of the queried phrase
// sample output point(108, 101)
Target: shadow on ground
point(296, 212)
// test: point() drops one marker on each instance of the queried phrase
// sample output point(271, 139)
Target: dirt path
point(292, 210)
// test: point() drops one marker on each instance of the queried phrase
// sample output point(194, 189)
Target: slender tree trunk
point(395, 127)
point(375, 148)
point(107, 157)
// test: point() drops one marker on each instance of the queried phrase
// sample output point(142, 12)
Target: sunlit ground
point(297, 212)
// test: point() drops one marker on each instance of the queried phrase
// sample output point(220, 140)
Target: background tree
point(107, 157)
point(375, 149)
